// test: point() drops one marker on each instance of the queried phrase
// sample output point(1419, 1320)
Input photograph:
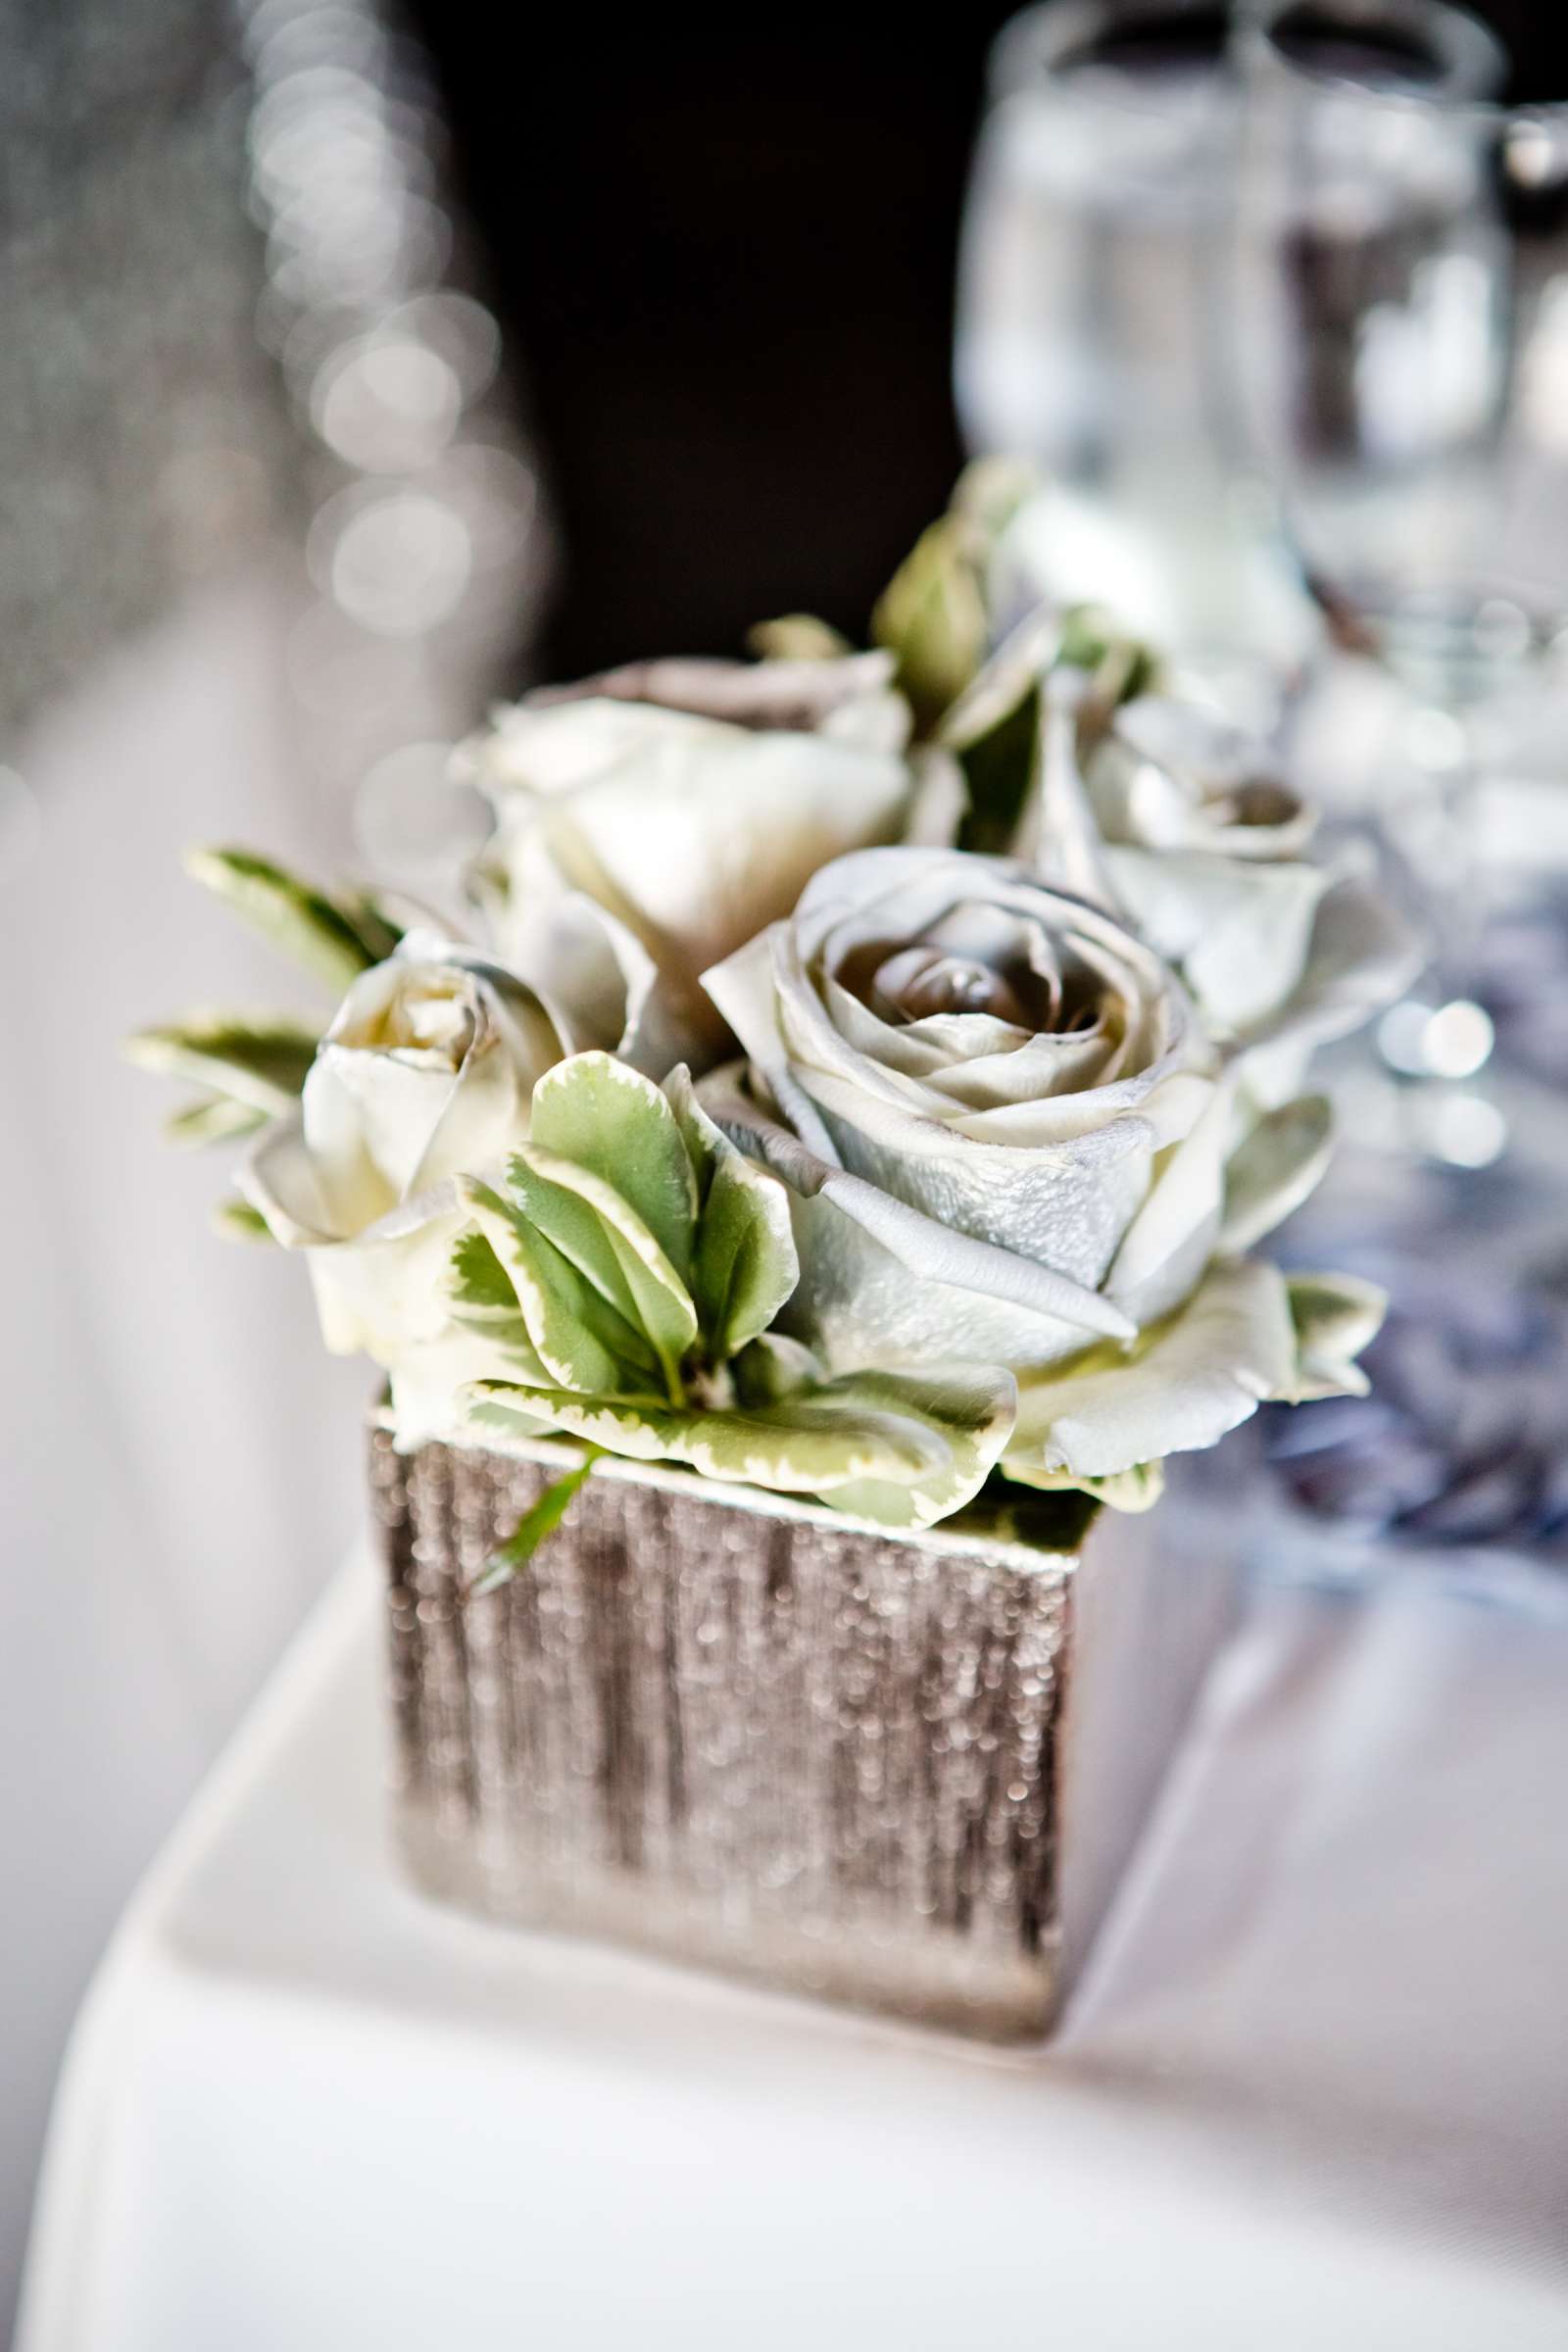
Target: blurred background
point(363, 363)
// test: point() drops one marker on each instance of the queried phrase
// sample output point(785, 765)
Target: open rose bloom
point(927, 1162)
point(1008, 1135)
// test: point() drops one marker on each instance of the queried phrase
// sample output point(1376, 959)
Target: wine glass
point(1401, 335)
point(1091, 331)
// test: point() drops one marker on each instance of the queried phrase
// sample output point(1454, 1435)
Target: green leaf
point(988, 493)
point(480, 1283)
point(261, 1064)
point(643, 1429)
point(932, 619)
point(1120, 665)
point(613, 1121)
point(217, 1119)
point(747, 1268)
point(484, 1303)
point(705, 1139)
point(1334, 1317)
point(797, 637)
point(902, 1449)
point(541, 1519)
point(598, 1231)
point(378, 929)
point(1136, 1490)
point(968, 1407)
point(327, 938)
point(773, 1368)
point(997, 771)
point(746, 1265)
point(581, 1340)
point(934, 615)
point(237, 1221)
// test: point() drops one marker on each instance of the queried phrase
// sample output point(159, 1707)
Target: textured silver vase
point(903, 1772)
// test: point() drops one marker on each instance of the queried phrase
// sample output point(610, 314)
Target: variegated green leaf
point(217, 1119)
point(237, 1221)
point(479, 1284)
point(503, 1408)
point(592, 1224)
point(484, 1303)
point(1135, 1490)
point(327, 938)
point(376, 926)
point(260, 1062)
point(703, 1138)
point(772, 1368)
point(642, 1429)
point(903, 1449)
point(611, 1120)
point(581, 1340)
point(746, 1267)
point(970, 1407)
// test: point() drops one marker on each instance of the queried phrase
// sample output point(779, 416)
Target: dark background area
point(724, 257)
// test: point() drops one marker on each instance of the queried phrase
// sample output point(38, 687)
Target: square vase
point(749, 1733)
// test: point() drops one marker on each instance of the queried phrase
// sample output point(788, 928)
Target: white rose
point(427, 1073)
point(1009, 1140)
point(1170, 776)
point(664, 813)
point(1280, 954)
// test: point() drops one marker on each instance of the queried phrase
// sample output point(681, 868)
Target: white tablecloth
point(1314, 2090)
point(179, 1473)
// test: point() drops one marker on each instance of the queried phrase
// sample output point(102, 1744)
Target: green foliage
point(213, 1120)
point(797, 637)
point(1334, 1317)
point(641, 1259)
point(998, 765)
point(1120, 667)
point(541, 1519)
point(744, 1266)
point(237, 1221)
point(934, 615)
point(619, 1126)
point(256, 1063)
point(334, 938)
point(932, 619)
point(1136, 1490)
point(252, 1067)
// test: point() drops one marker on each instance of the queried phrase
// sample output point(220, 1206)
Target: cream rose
point(659, 816)
point(1009, 1138)
point(427, 1073)
point(1168, 777)
point(1170, 823)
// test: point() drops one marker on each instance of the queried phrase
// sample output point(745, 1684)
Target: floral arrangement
point(873, 1076)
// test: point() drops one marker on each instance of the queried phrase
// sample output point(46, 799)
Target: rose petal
point(1210, 1367)
point(866, 1241)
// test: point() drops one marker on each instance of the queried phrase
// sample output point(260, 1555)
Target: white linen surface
point(1314, 2090)
point(179, 1470)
